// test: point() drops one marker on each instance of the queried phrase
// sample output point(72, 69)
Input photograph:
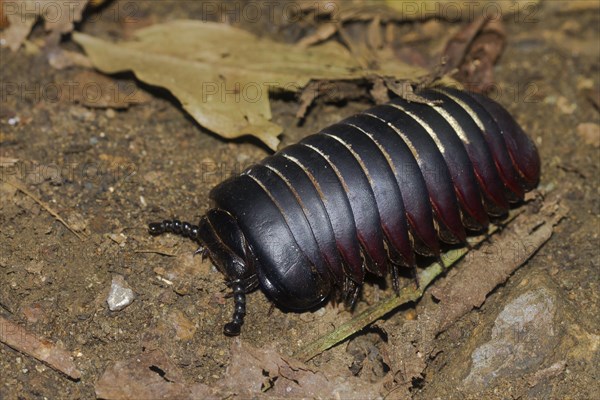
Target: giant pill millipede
point(364, 194)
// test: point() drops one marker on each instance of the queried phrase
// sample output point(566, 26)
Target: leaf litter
point(223, 76)
point(470, 55)
point(21, 15)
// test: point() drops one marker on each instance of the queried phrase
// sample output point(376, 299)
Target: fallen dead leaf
point(403, 355)
point(59, 18)
point(94, 90)
point(492, 264)
point(150, 375)
point(380, 91)
point(254, 371)
point(322, 33)
point(223, 75)
point(473, 52)
point(3, 19)
point(62, 59)
point(251, 372)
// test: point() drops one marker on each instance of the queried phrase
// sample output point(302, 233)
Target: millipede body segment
point(364, 194)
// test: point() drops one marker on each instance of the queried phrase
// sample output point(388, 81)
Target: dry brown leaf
point(458, 45)
point(223, 75)
point(489, 266)
point(150, 375)
point(59, 58)
point(254, 371)
point(404, 352)
point(251, 372)
point(374, 34)
point(322, 33)
point(59, 17)
point(380, 91)
point(3, 19)
point(99, 91)
point(336, 15)
point(473, 51)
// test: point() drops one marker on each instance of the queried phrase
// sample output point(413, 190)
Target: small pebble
point(590, 133)
point(565, 106)
point(118, 238)
point(411, 315)
point(320, 312)
point(120, 295)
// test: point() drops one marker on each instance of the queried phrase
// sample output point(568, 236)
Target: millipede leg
point(234, 327)
point(351, 295)
point(203, 251)
point(395, 282)
point(415, 275)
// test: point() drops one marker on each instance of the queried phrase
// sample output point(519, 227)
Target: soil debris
point(26, 342)
point(44, 205)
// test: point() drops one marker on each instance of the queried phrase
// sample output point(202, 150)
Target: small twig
point(45, 206)
point(157, 251)
point(5, 307)
point(53, 355)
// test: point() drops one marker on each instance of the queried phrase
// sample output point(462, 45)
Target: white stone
point(120, 295)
